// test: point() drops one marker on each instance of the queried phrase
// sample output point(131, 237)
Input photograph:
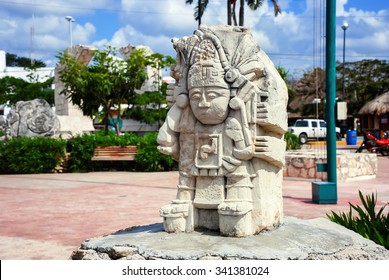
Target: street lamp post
point(70, 19)
point(343, 124)
point(344, 27)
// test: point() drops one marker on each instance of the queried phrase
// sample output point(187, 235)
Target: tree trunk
point(106, 119)
point(241, 13)
point(229, 12)
point(199, 11)
point(234, 14)
point(117, 123)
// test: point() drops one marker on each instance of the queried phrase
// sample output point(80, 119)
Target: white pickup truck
point(312, 129)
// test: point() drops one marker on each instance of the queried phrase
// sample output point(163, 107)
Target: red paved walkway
point(47, 216)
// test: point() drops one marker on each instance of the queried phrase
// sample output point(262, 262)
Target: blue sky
point(293, 40)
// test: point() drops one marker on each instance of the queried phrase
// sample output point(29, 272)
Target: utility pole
point(344, 27)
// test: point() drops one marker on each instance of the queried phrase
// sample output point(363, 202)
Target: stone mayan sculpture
point(225, 126)
point(32, 118)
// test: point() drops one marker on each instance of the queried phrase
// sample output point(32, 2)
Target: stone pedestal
point(296, 239)
point(324, 192)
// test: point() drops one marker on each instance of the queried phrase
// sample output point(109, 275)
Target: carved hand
point(262, 113)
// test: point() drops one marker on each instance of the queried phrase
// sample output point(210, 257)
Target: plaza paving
point(47, 216)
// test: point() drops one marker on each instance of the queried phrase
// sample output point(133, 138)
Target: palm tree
point(231, 6)
point(199, 9)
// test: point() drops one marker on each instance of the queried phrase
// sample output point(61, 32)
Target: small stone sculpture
point(225, 126)
point(32, 118)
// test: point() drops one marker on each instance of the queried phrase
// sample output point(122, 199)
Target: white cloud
point(39, 27)
point(367, 35)
point(123, 36)
point(263, 41)
point(340, 11)
point(288, 38)
point(128, 35)
point(158, 16)
point(82, 33)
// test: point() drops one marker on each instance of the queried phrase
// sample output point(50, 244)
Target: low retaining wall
point(350, 165)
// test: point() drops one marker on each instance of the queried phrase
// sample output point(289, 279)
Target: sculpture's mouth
point(204, 113)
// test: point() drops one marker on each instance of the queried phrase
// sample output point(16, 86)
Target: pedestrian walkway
point(47, 216)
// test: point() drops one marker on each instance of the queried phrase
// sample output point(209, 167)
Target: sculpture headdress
point(206, 68)
point(203, 54)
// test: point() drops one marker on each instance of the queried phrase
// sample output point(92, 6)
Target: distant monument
point(152, 81)
point(70, 116)
point(33, 118)
point(225, 126)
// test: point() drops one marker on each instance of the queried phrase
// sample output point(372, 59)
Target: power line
point(159, 12)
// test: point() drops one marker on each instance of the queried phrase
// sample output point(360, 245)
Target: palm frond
point(277, 9)
point(254, 4)
point(203, 7)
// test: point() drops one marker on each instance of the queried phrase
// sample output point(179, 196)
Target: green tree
point(364, 80)
point(309, 87)
point(16, 61)
point(149, 107)
point(291, 92)
point(14, 89)
point(106, 82)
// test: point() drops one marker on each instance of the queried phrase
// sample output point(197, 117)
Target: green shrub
point(292, 141)
point(82, 147)
point(81, 150)
point(148, 158)
point(368, 223)
point(24, 155)
point(111, 139)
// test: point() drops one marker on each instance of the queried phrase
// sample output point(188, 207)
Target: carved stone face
point(210, 103)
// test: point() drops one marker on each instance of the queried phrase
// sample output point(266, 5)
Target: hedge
point(41, 155)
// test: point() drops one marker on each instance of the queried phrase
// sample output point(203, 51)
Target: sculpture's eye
point(212, 95)
point(195, 96)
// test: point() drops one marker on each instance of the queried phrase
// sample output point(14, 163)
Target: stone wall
point(350, 166)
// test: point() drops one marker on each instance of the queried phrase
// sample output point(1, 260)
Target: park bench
point(114, 153)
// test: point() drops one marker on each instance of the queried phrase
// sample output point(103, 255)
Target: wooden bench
point(117, 153)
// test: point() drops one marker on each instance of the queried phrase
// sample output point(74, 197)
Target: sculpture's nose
point(203, 102)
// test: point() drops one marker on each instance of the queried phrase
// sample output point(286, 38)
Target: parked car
point(311, 129)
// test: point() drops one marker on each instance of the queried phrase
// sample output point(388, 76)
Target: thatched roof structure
point(378, 106)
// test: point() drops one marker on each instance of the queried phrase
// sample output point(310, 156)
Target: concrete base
point(296, 239)
point(324, 192)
